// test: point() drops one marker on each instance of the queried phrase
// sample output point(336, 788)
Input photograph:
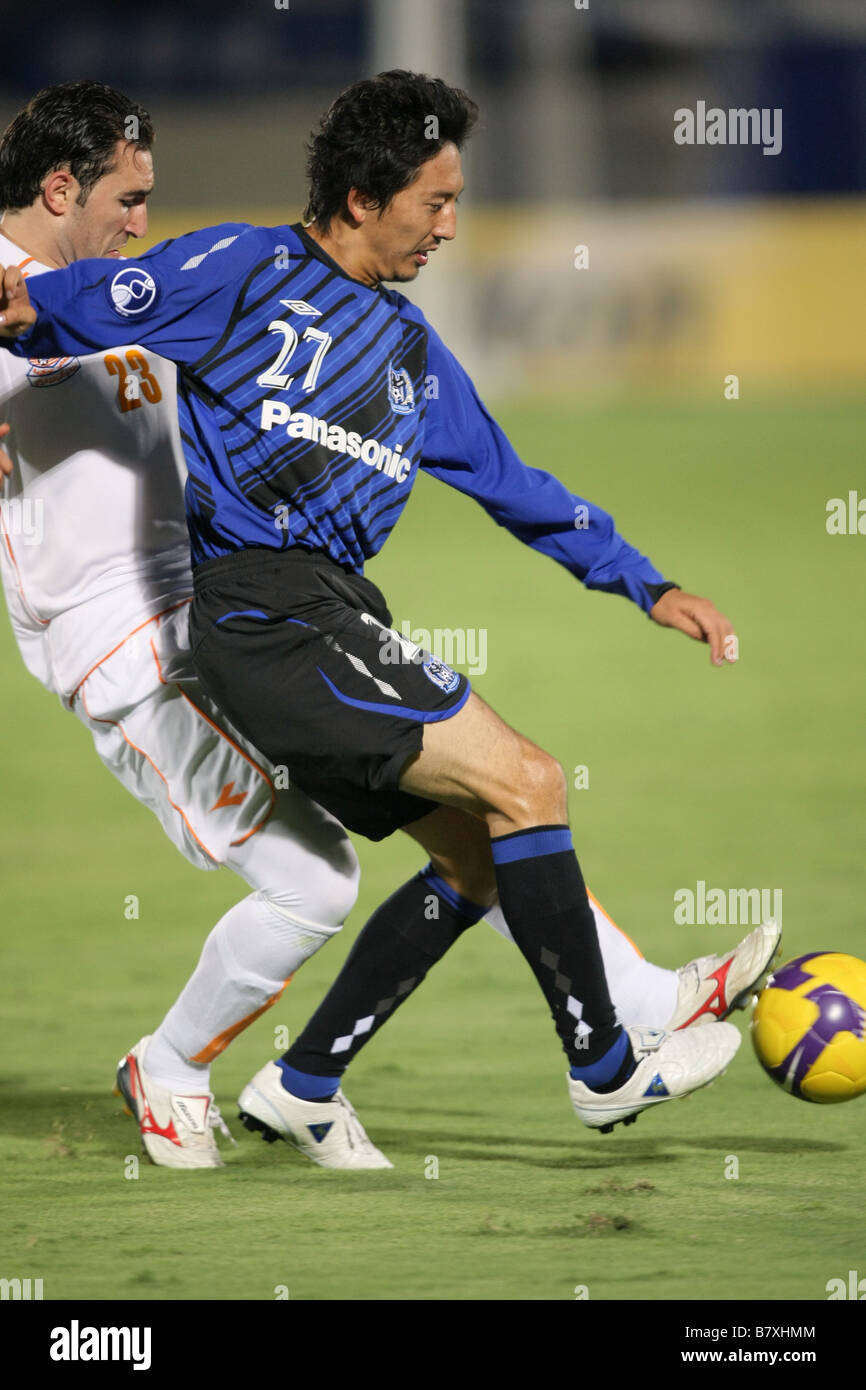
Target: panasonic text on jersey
point(339, 441)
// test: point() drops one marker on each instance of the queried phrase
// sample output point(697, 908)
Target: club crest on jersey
point(132, 291)
point(49, 371)
point(400, 391)
point(440, 674)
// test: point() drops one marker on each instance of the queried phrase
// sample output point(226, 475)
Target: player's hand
point(5, 460)
point(17, 315)
point(697, 618)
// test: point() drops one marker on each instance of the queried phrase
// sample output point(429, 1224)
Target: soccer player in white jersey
point(94, 557)
point(94, 560)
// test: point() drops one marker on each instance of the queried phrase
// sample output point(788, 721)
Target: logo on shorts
point(228, 797)
point(132, 291)
point(400, 391)
point(440, 674)
point(49, 371)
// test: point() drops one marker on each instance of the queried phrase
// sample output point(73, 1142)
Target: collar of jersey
point(315, 250)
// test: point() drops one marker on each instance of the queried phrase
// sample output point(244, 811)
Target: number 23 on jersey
point(135, 381)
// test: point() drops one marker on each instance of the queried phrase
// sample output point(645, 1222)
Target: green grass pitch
point(746, 777)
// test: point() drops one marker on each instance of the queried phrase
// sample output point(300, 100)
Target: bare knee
point(538, 795)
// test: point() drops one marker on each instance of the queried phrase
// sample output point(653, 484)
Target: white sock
point(640, 991)
point(305, 873)
point(244, 967)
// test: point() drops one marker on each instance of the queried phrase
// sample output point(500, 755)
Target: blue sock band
point(531, 844)
point(470, 911)
point(305, 1086)
point(606, 1067)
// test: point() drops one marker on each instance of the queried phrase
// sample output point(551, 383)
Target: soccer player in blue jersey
point(304, 416)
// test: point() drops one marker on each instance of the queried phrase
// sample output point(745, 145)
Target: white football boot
point(669, 1066)
point(711, 987)
point(328, 1132)
point(177, 1129)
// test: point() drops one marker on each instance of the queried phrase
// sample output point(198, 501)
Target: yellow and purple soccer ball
point(809, 1027)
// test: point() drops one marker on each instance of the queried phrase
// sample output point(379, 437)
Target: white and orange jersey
point(93, 537)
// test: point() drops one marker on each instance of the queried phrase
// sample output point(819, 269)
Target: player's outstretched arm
point(697, 618)
point(17, 314)
point(467, 449)
point(175, 298)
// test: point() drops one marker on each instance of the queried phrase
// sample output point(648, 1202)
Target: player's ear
point(59, 191)
point(359, 205)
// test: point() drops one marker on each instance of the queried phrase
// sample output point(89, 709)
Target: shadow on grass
point(762, 1144)
point(371, 1102)
point(586, 1150)
point(70, 1121)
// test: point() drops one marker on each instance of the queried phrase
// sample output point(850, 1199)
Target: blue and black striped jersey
point(308, 401)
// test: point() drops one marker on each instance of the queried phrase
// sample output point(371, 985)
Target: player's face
point(115, 209)
point(418, 217)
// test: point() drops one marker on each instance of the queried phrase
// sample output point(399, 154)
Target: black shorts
point(301, 656)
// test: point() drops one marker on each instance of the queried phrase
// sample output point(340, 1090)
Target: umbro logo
point(300, 306)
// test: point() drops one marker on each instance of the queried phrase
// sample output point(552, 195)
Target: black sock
point(404, 937)
point(543, 897)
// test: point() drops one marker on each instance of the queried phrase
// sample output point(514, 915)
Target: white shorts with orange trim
point(157, 732)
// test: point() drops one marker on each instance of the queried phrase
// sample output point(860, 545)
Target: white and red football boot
point(177, 1129)
point(711, 987)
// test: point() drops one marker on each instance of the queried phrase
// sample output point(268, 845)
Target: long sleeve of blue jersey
point(464, 447)
point(175, 299)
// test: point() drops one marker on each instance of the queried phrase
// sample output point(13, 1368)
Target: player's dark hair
point(377, 135)
point(74, 126)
